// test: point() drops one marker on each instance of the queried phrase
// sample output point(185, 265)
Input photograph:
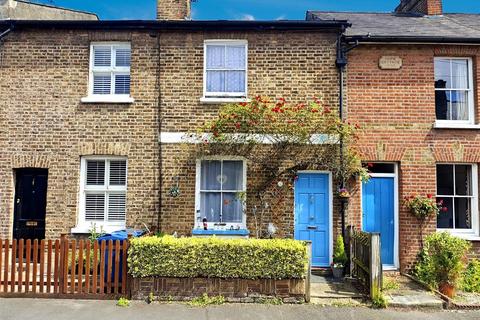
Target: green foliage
point(379, 302)
point(390, 284)
point(205, 300)
point(94, 234)
point(339, 255)
point(150, 298)
point(471, 279)
point(442, 259)
point(221, 258)
point(423, 207)
point(123, 302)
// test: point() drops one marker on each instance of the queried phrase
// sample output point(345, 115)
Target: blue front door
point(312, 218)
point(378, 214)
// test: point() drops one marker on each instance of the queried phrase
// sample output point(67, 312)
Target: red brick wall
point(396, 109)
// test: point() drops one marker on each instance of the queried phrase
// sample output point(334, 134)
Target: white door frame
point(330, 209)
point(396, 241)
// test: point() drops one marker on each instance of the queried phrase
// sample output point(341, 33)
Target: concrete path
point(411, 295)
point(35, 309)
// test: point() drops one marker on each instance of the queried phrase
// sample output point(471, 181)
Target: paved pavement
point(26, 309)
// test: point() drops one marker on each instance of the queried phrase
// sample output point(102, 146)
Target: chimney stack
point(425, 7)
point(173, 9)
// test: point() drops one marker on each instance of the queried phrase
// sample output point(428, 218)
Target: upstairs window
point(225, 64)
point(103, 191)
point(454, 102)
point(110, 69)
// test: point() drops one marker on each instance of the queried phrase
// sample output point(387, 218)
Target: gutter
point(182, 25)
point(412, 40)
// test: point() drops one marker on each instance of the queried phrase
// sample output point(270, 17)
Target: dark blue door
point(378, 196)
point(312, 218)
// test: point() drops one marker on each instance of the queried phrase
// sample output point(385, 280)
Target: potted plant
point(423, 207)
point(444, 261)
point(339, 258)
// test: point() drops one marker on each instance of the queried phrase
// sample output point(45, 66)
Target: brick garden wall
point(396, 109)
point(43, 76)
point(233, 290)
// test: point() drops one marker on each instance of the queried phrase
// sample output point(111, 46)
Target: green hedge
point(217, 258)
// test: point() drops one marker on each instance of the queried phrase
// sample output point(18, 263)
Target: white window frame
point(474, 231)
point(84, 226)
point(227, 96)
point(470, 97)
point(113, 70)
point(198, 216)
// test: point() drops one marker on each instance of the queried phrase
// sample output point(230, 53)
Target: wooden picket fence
point(365, 260)
point(63, 268)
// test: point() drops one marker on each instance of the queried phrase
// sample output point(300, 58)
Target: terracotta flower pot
point(447, 289)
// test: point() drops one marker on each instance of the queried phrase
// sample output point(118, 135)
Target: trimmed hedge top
point(217, 258)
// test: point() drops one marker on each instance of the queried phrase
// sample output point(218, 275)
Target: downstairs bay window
point(103, 193)
point(220, 190)
point(457, 189)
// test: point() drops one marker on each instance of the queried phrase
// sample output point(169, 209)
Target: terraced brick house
point(413, 86)
point(92, 115)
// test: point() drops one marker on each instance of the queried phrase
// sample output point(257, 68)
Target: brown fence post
point(63, 258)
point(375, 266)
point(309, 272)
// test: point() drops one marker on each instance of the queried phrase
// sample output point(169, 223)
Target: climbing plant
point(278, 139)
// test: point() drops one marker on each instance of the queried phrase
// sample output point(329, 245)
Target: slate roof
point(384, 25)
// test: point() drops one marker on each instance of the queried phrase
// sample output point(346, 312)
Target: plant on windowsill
point(279, 139)
point(339, 258)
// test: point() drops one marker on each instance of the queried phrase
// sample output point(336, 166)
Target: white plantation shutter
point(110, 69)
point(122, 57)
point(95, 207)
point(95, 172)
point(102, 56)
point(122, 84)
point(118, 172)
point(116, 207)
point(102, 84)
point(105, 190)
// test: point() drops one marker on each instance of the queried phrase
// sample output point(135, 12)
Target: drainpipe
point(341, 63)
point(159, 125)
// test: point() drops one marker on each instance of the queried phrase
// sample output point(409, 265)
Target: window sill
point(205, 100)
point(87, 228)
point(107, 99)
point(227, 233)
point(438, 125)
